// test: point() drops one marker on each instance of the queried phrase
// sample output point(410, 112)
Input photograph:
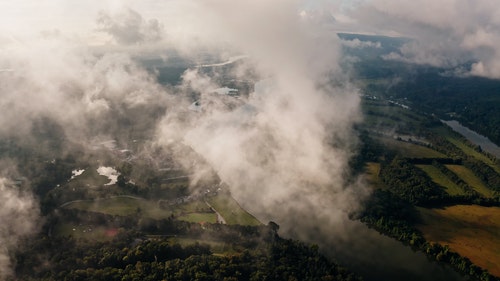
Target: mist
point(282, 148)
point(19, 214)
point(284, 153)
point(447, 34)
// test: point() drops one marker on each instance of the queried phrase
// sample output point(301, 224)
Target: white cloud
point(129, 27)
point(276, 152)
point(448, 32)
point(284, 152)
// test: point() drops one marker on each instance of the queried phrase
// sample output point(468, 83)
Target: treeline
point(240, 235)
point(410, 183)
point(483, 171)
point(467, 189)
point(127, 258)
point(395, 217)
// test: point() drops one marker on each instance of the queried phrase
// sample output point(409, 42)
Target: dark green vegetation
point(257, 253)
point(473, 101)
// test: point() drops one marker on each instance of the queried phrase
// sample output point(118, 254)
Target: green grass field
point(231, 211)
point(198, 206)
point(123, 206)
point(468, 176)
point(441, 179)
point(196, 211)
point(199, 217)
point(470, 230)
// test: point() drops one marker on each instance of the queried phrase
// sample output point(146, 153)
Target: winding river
point(474, 137)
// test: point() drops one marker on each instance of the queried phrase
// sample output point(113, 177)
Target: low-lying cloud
point(283, 149)
point(129, 27)
point(284, 153)
point(447, 33)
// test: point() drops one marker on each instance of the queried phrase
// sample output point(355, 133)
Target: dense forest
point(132, 255)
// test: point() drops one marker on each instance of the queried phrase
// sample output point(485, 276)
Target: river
point(377, 257)
point(474, 137)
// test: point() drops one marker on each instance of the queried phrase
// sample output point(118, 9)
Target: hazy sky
point(449, 32)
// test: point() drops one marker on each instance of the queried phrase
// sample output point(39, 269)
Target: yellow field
point(468, 176)
point(470, 230)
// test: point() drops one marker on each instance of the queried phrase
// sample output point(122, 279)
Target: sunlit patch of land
point(470, 230)
point(372, 172)
point(199, 217)
point(231, 211)
point(441, 179)
point(195, 211)
point(468, 176)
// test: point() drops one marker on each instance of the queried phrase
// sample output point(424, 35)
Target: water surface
point(474, 137)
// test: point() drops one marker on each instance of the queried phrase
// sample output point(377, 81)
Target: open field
point(198, 206)
point(372, 171)
point(441, 179)
point(231, 211)
point(199, 217)
point(122, 206)
point(470, 230)
point(410, 150)
point(468, 176)
point(196, 211)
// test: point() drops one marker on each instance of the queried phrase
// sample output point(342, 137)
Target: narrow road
point(220, 219)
